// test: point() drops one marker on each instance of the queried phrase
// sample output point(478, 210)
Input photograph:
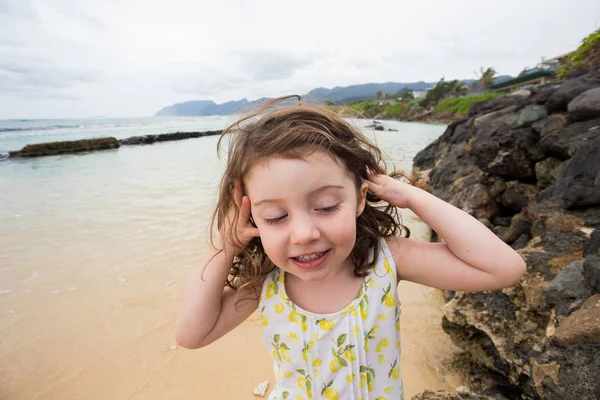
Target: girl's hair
point(294, 131)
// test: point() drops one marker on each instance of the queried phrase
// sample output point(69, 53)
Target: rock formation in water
point(66, 147)
point(107, 143)
point(528, 167)
point(165, 137)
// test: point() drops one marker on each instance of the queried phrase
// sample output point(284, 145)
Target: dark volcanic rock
point(591, 272)
point(547, 171)
point(476, 201)
point(569, 372)
point(497, 103)
point(72, 146)
point(543, 94)
point(586, 105)
point(564, 143)
point(511, 162)
point(526, 117)
point(571, 89)
point(517, 195)
point(165, 137)
point(578, 184)
point(502, 151)
point(569, 289)
point(593, 246)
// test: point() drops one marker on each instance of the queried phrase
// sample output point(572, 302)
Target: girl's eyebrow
point(312, 193)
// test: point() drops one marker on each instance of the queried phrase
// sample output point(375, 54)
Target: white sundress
point(350, 354)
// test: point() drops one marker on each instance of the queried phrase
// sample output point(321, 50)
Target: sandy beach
point(108, 334)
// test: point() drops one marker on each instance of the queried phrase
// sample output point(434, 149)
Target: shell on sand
point(261, 389)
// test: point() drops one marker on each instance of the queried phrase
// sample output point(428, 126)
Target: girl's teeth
point(310, 257)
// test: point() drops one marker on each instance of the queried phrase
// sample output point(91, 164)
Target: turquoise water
point(15, 134)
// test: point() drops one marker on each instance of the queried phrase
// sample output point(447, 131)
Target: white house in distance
point(420, 94)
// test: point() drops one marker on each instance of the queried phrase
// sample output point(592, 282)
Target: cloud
point(17, 9)
point(264, 65)
point(38, 76)
point(129, 57)
point(242, 69)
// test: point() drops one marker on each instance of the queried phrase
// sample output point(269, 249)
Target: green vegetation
point(586, 56)
point(486, 77)
point(442, 90)
point(365, 108)
point(461, 105)
point(395, 109)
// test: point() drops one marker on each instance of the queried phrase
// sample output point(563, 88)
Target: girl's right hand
point(235, 235)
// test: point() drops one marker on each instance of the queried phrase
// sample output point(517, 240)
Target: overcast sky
point(113, 58)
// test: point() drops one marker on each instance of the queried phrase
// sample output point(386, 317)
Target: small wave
point(37, 128)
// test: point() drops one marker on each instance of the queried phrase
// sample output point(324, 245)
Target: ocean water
point(128, 205)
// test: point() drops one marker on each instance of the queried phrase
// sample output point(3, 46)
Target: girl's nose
point(303, 231)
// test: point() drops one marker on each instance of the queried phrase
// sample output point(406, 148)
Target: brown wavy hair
point(283, 130)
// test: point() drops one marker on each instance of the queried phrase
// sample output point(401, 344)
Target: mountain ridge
point(337, 95)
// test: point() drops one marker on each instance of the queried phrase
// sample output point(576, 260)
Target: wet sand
point(107, 333)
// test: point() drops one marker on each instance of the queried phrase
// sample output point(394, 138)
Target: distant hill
point(338, 95)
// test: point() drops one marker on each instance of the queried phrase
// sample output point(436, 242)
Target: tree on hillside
point(379, 95)
point(443, 89)
point(473, 87)
point(406, 95)
point(457, 88)
point(388, 96)
point(486, 77)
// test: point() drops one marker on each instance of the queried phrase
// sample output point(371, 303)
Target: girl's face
point(305, 210)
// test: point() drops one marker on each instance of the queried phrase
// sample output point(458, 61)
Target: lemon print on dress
point(298, 318)
point(383, 343)
point(329, 392)
point(382, 360)
point(370, 335)
point(305, 383)
point(386, 266)
point(280, 350)
point(336, 364)
point(325, 324)
point(388, 298)
point(279, 308)
point(338, 360)
point(307, 347)
point(367, 378)
point(394, 370)
point(264, 320)
point(383, 316)
point(350, 378)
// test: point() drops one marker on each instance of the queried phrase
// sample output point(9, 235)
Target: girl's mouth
point(309, 261)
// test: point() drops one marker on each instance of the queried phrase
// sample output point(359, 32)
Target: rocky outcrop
point(165, 137)
point(528, 167)
point(78, 146)
point(72, 146)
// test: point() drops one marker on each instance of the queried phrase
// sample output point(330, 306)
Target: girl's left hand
point(391, 190)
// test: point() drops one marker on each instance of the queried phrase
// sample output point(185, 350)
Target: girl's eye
point(275, 220)
point(329, 209)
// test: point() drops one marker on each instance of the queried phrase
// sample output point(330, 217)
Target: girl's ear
point(362, 199)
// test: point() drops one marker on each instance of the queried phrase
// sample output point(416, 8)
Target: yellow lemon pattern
point(353, 353)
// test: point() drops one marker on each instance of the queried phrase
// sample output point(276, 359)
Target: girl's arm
point(209, 309)
point(472, 258)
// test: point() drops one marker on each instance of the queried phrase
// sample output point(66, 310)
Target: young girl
point(305, 238)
